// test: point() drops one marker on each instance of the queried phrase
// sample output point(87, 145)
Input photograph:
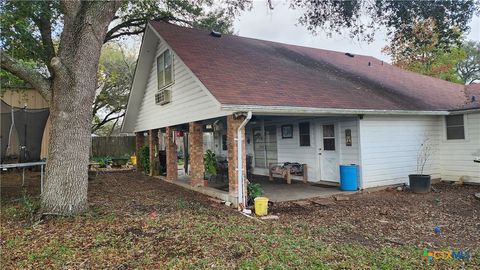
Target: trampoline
point(21, 133)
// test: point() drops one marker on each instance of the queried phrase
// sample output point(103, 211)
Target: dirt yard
point(138, 222)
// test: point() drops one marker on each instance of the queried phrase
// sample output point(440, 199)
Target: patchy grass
point(191, 232)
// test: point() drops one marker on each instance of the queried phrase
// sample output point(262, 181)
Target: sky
point(281, 25)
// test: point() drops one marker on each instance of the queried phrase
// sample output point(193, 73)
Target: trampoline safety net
point(25, 126)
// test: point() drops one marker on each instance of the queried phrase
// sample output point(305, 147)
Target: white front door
point(327, 143)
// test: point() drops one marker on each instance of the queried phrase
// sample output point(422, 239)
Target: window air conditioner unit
point(163, 97)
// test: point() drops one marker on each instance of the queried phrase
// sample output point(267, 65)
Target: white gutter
point(240, 178)
point(277, 110)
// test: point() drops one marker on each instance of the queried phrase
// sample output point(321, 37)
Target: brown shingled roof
point(245, 71)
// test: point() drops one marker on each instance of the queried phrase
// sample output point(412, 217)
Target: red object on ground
point(153, 215)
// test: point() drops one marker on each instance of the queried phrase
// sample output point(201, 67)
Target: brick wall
point(139, 143)
point(232, 126)
point(172, 165)
point(153, 146)
point(195, 141)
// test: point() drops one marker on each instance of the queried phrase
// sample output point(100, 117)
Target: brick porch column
point(232, 126)
point(153, 146)
point(195, 141)
point(139, 143)
point(172, 165)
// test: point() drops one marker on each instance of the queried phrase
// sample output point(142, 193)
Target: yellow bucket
point(261, 206)
point(133, 159)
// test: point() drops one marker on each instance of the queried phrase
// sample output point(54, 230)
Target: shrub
point(103, 161)
point(145, 158)
point(210, 163)
point(254, 190)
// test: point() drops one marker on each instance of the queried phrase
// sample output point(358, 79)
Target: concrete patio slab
point(279, 191)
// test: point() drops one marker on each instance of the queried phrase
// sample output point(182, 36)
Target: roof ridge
point(264, 40)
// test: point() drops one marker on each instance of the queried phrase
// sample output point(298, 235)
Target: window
point(265, 146)
point(304, 133)
point(165, 69)
point(329, 137)
point(455, 128)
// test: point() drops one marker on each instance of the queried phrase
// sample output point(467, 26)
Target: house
point(31, 117)
point(284, 103)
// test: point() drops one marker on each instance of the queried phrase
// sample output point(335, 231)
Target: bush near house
point(145, 158)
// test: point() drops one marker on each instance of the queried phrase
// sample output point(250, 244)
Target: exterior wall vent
point(163, 97)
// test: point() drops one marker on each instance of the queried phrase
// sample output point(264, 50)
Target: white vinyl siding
point(456, 156)
point(289, 149)
point(349, 154)
point(390, 144)
point(190, 100)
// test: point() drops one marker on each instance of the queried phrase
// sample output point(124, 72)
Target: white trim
point(137, 82)
point(291, 110)
point(173, 69)
point(361, 183)
point(466, 137)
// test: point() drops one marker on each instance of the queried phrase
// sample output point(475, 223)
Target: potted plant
point(210, 164)
point(254, 190)
point(420, 182)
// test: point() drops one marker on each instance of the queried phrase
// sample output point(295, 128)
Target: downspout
point(240, 180)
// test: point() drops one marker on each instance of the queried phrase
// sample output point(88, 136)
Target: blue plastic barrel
point(349, 177)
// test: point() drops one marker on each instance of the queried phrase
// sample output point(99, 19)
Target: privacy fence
point(113, 146)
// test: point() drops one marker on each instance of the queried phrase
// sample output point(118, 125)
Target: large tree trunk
point(73, 93)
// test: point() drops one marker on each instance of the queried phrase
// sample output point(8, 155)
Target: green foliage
point(145, 158)
point(115, 75)
point(103, 161)
point(423, 53)
point(254, 190)
point(29, 205)
point(469, 68)
point(364, 18)
point(210, 162)
point(31, 30)
point(21, 36)
point(24, 209)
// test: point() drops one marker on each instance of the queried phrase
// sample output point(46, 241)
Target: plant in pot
point(420, 182)
point(254, 190)
point(210, 164)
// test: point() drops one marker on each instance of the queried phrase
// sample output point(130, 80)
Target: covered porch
point(316, 144)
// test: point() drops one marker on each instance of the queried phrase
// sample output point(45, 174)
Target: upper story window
point(304, 133)
point(165, 69)
point(455, 127)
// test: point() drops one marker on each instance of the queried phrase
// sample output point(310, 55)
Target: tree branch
point(122, 34)
point(45, 27)
point(105, 120)
point(117, 32)
point(126, 24)
point(33, 77)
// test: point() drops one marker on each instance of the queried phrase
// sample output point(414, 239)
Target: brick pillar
point(232, 126)
point(172, 165)
point(195, 142)
point(139, 143)
point(153, 146)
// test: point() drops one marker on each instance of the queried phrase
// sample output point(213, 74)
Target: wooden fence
point(113, 146)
